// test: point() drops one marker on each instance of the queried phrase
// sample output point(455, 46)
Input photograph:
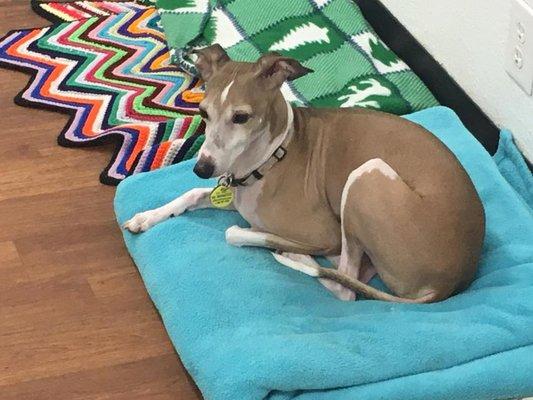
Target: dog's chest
point(246, 202)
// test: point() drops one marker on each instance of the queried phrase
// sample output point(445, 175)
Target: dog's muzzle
point(204, 168)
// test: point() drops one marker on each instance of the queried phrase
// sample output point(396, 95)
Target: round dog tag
point(221, 196)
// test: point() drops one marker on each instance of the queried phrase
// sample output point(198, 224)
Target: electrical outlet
point(519, 63)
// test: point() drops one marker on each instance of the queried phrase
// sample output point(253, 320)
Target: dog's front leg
point(240, 237)
point(192, 200)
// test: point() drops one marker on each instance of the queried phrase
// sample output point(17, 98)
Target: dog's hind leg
point(352, 261)
point(194, 199)
point(349, 264)
point(372, 178)
point(390, 221)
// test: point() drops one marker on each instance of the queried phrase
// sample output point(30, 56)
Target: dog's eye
point(240, 118)
point(203, 114)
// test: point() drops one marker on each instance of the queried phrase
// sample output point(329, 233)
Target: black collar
point(257, 174)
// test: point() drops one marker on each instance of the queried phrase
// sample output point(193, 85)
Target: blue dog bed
point(246, 327)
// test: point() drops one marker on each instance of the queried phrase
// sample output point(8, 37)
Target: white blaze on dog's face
point(244, 110)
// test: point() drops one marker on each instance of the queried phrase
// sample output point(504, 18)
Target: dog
point(365, 188)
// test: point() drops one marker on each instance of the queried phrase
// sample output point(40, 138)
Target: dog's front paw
point(141, 222)
point(233, 235)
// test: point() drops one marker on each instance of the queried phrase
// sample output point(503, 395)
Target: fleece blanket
point(513, 167)
point(246, 327)
point(353, 67)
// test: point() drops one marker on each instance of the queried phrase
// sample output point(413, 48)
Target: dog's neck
point(274, 153)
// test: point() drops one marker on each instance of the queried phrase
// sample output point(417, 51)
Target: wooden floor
point(75, 320)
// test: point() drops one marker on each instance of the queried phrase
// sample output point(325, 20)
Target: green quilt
point(353, 67)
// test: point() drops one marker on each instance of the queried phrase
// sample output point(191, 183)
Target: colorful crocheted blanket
point(353, 67)
point(76, 10)
point(108, 67)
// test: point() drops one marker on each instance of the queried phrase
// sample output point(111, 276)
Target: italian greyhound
point(367, 188)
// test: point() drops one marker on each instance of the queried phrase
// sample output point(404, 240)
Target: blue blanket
point(246, 327)
point(513, 167)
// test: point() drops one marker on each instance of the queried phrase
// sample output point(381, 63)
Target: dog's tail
point(348, 282)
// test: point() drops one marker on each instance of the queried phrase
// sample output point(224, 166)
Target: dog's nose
point(204, 168)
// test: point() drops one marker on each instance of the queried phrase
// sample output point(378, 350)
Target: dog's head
point(243, 108)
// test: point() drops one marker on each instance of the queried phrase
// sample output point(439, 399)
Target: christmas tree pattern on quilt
point(353, 67)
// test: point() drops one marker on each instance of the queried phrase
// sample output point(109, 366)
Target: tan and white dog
point(371, 187)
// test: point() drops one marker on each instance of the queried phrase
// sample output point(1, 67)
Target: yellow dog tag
point(221, 196)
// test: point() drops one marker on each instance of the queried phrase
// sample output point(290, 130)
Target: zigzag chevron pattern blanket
point(353, 67)
point(76, 10)
point(112, 74)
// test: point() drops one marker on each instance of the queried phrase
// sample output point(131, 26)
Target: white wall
point(468, 38)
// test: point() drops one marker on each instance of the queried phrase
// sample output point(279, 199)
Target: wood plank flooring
point(75, 320)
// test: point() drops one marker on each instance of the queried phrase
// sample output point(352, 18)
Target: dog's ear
point(209, 60)
point(277, 69)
